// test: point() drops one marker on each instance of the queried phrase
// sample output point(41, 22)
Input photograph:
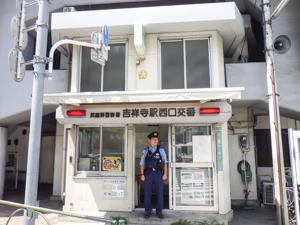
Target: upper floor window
point(113, 77)
point(185, 64)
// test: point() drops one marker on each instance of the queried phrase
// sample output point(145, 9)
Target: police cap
point(153, 134)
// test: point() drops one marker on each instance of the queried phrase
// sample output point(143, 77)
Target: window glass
point(114, 70)
point(197, 64)
point(172, 69)
point(113, 148)
point(194, 186)
point(90, 72)
point(89, 149)
point(185, 64)
point(184, 141)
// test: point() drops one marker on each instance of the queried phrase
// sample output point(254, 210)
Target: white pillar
point(222, 162)
point(3, 150)
point(58, 161)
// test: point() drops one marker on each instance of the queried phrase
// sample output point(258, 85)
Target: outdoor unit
point(268, 193)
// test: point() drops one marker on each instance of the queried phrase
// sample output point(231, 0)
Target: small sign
point(114, 189)
point(111, 164)
point(105, 36)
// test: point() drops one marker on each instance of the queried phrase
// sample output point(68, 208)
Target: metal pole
point(274, 116)
point(32, 173)
point(293, 155)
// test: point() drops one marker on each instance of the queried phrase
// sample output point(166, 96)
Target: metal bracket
point(41, 25)
point(44, 60)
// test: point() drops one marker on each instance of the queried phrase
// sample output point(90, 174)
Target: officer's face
point(153, 141)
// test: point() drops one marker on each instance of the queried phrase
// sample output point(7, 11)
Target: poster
point(111, 163)
point(114, 189)
point(202, 150)
point(196, 187)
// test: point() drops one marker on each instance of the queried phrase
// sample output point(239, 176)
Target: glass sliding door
point(192, 167)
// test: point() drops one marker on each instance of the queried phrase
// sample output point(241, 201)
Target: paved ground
point(259, 216)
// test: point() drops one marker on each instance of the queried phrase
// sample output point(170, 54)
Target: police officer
point(154, 170)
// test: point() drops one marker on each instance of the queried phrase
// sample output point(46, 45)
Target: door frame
point(134, 161)
point(173, 166)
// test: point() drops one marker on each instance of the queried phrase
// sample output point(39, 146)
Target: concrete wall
point(58, 161)
point(240, 123)
point(21, 149)
point(235, 155)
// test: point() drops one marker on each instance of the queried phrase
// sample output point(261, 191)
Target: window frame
point(123, 41)
point(99, 174)
point(183, 39)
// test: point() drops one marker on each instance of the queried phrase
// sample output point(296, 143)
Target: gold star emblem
point(142, 74)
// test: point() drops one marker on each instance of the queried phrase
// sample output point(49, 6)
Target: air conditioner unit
point(268, 193)
point(69, 9)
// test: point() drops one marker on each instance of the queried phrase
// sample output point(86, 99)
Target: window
point(184, 141)
point(264, 148)
point(101, 149)
point(185, 64)
point(114, 70)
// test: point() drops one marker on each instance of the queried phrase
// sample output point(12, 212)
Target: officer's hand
point(143, 178)
point(164, 177)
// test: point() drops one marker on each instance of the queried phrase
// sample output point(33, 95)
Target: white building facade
point(164, 73)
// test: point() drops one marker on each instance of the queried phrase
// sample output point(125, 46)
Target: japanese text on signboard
point(148, 113)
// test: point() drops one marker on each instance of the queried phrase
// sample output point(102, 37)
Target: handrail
point(46, 210)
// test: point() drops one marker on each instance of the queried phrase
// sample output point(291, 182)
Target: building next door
point(192, 168)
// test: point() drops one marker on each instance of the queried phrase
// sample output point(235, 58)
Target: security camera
point(282, 44)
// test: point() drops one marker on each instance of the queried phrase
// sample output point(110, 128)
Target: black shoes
point(160, 215)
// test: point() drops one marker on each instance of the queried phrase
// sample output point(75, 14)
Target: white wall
point(239, 122)
point(86, 193)
point(15, 133)
point(235, 155)
point(58, 161)
point(46, 156)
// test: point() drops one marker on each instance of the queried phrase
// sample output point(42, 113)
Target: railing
point(31, 211)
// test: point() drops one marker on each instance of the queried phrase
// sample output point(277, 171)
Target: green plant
point(182, 222)
point(186, 222)
point(209, 223)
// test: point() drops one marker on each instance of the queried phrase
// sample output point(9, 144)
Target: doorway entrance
point(141, 141)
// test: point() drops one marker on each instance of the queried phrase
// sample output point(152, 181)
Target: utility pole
point(275, 126)
point(39, 63)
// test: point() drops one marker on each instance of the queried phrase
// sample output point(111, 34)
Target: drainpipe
point(3, 150)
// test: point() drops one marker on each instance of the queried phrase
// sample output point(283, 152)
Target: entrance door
point(192, 168)
point(141, 141)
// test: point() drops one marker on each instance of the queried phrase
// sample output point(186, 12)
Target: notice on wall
point(114, 189)
point(111, 164)
point(196, 187)
point(202, 150)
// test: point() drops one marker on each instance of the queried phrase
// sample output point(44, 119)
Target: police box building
point(165, 73)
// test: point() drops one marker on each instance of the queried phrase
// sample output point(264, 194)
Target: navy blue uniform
point(153, 160)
